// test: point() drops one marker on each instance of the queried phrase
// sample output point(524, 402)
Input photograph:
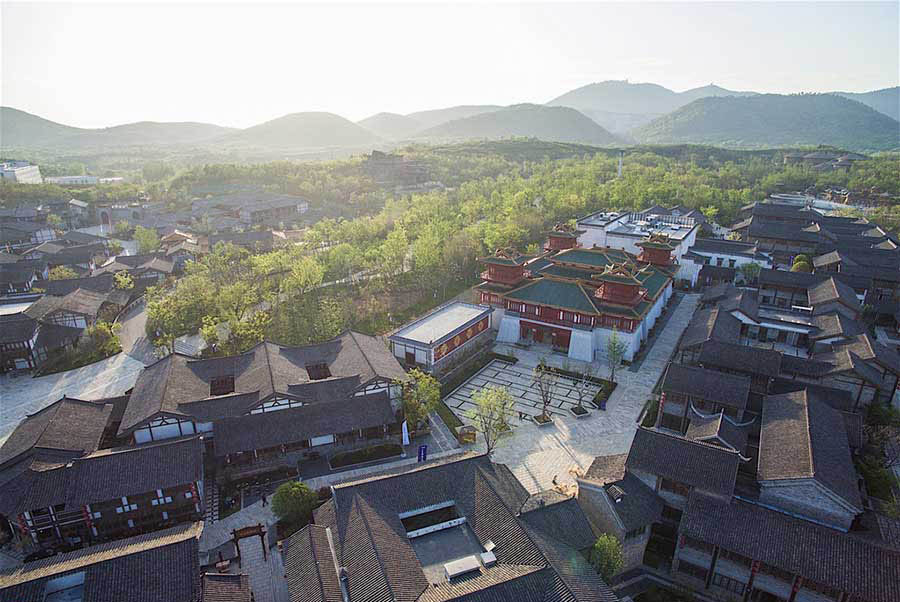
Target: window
point(727, 583)
point(318, 371)
point(221, 385)
point(719, 261)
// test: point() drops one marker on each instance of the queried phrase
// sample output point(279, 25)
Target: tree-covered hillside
point(558, 124)
point(768, 120)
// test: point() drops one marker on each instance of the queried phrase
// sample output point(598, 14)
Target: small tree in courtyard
point(420, 396)
point(546, 383)
point(492, 413)
point(607, 556)
point(293, 503)
point(615, 351)
point(62, 272)
point(585, 384)
point(750, 271)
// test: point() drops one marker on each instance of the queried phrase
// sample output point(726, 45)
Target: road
point(22, 395)
point(133, 337)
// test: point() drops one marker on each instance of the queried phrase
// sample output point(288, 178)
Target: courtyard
point(517, 379)
point(544, 457)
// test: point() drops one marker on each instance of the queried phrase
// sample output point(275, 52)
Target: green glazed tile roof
point(557, 293)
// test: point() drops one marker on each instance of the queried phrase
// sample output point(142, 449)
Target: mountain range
point(607, 113)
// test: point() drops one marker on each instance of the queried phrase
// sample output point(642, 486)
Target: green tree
point(546, 383)
point(420, 396)
point(710, 213)
point(104, 338)
point(123, 281)
point(607, 556)
point(492, 414)
point(393, 252)
point(115, 247)
point(615, 351)
point(293, 503)
point(801, 266)
point(122, 229)
point(55, 222)
point(750, 271)
point(147, 240)
point(62, 272)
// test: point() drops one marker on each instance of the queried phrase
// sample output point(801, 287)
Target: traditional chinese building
point(562, 237)
point(575, 299)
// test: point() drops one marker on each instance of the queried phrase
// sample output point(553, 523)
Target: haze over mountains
point(608, 113)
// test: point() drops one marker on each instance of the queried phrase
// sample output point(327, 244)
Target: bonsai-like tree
point(420, 396)
point(123, 281)
point(615, 351)
point(546, 383)
point(585, 383)
point(607, 556)
point(293, 503)
point(492, 413)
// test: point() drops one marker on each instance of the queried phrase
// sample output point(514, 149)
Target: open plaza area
point(544, 457)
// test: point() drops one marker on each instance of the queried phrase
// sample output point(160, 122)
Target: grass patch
point(450, 419)
point(651, 410)
point(376, 452)
point(880, 481)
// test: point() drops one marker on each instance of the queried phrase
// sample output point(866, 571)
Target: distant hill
point(885, 101)
point(558, 124)
point(435, 117)
point(768, 120)
point(19, 129)
point(302, 130)
point(621, 106)
point(391, 125)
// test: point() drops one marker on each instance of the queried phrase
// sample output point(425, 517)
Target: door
point(538, 335)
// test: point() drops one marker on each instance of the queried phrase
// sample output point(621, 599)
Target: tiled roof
point(224, 587)
point(607, 469)
point(68, 425)
point(309, 553)
point(562, 520)
point(827, 556)
point(158, 566)
point(179, 384)
point(101, 284)
point(80, 301)
point(846, 360)
point(270, 429)
point(104, 475)
point(717, 272)
point(742, 358)
point(699, 465)
point(833, 324)
point(867, 348)
point(16, 328)
point(633, 501)
point(713, 324)
point(830, 290)
point(728, 389)
point(381, 564)
point(802, 437)
point(788, 279)
point(717, 427)
point(724, 247)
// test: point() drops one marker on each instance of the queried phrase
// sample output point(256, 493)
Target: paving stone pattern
point(544, 457)
point(517, 379)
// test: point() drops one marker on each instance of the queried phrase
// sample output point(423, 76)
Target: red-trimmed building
point(574, 299)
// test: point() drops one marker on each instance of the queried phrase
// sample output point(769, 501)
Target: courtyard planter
point(541, 421)
point(579, 412)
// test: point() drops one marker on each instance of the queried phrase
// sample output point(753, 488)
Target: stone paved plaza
point(517, 379)
point(541, 455)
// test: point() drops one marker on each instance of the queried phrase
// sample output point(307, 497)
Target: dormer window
point(221, 385)
point(318, 371)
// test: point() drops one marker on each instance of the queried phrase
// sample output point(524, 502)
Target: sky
point(239, 64)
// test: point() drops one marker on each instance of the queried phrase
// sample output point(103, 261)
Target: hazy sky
point(94, 65)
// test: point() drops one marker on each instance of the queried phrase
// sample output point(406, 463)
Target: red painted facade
point(661, 257)
point(460, 339)
point(504, 274)
point(541, 333)
point(619, 293)
point(561, 243)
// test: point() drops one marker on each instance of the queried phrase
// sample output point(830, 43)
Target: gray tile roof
point(104, 475)
point(830, 290)
point(16, 328)
point(699, 465)
point(155, 567)
point(802, 437)
point(727, 389)
point(635, 504)
point(833, 324)
point(309, 563)
point(741, 358)
point(827, 556)
point(560, 519)
point(224, 587)
point(270, 429)
point(607, 469)
point(69, 425)
point(717, 428)
point(381, 564)
point(710, 324)
point(179, 384)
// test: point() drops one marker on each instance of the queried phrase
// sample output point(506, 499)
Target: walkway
point(21, 394)
point(133, 336)
point(540, 455)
